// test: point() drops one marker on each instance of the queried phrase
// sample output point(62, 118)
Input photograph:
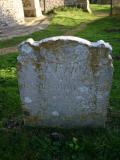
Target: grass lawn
point(35, 144)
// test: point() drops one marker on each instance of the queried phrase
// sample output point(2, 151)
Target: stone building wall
point(48, 5)
point(11, 12)
point(116, 7)
point(76, 2)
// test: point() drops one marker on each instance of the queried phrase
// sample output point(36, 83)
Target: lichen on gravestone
point(65, 81)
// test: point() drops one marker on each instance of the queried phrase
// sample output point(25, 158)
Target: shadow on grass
point(97, 30)
point(81, 144)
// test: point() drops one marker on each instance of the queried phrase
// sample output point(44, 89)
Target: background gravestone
point(65, 81)
point(32, 8)
point(116, 7)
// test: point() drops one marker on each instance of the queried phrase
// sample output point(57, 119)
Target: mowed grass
point(82, 144)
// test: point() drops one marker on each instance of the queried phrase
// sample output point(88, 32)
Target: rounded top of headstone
point(99, 43)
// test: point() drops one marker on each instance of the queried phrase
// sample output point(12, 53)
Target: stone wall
point(116, 7)
point(48, 5)
point(11, 12)
point(79, 3)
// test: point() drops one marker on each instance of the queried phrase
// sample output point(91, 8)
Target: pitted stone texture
point(11, 12)
point(65, 81)
point(48, 5)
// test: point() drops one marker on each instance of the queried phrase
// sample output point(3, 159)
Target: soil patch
point(4, 51)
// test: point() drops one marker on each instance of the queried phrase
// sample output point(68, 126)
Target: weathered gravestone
point(65, 81)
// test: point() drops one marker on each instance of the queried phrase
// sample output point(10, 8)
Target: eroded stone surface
point(65, 81)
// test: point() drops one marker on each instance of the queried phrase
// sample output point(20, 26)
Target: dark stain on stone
point(35, 48)
point(32, 120)
point(38, 63)
point(57, 45)
point(18, 66)
point(41, 77)
point(94, 59)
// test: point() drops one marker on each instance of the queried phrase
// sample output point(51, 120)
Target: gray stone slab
point(65, 81)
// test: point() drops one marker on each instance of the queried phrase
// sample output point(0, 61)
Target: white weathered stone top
point(99, 43)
